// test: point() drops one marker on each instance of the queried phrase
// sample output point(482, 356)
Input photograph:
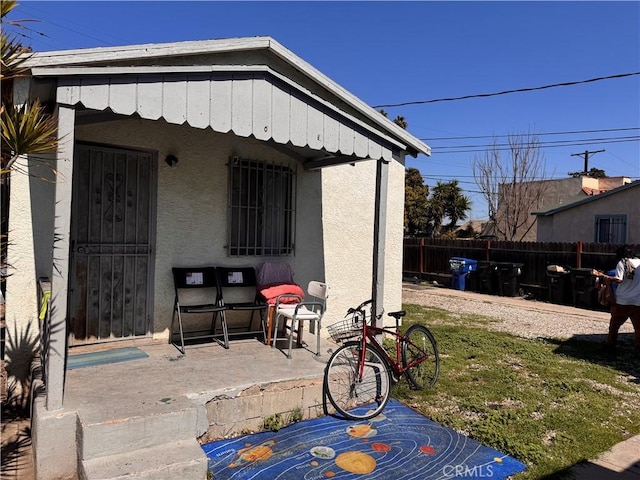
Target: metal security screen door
point(111, 244)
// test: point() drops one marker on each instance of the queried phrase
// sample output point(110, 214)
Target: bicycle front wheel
point(357, 396)
point(420, 345)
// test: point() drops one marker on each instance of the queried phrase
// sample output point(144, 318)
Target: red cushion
point(270, 292)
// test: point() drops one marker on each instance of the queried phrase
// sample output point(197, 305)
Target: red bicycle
point(359, 374)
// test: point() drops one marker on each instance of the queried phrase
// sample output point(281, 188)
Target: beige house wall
point(334, 220)
point(564, 191)
point(349, 196)
point(578, 223)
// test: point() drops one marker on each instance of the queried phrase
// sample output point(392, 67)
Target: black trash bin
point(486, 277)
point(584, 291)
point(460, 268)
point(509, 278)
point(559, 285)
point(473, 280)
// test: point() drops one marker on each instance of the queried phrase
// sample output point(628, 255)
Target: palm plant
point(26, 128)
point(447, 201)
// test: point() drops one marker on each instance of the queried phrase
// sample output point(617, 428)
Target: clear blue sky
point(394, 52)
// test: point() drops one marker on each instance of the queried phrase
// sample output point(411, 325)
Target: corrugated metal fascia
point(78, 72)
point(96, 93)
point(81, 57)
point(345, 95)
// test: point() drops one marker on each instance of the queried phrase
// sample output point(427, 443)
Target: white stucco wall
point(334, 225)
point(192, 202)
point(21, 308)
point(349, 197)
point(395, 237)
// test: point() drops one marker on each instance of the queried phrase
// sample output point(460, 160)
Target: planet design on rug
point(356, 462)
point(406, 445)
point(428, 449)
point(362, 431)
point(380, 447)
point(320, 451)
point(252, 453)
point(378, 418)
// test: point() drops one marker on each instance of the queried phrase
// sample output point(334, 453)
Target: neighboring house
point(474, 229)
point(220, 152)
point(609, 217)
point(560, 192)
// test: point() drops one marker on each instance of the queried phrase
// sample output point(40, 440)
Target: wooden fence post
point(488, 250)
point(421, 256)
point(579, 255)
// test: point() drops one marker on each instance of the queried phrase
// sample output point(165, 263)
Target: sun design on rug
point(356, 462)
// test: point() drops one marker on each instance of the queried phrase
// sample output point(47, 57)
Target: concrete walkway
point(622, 462)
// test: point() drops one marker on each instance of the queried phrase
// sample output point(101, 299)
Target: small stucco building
point(221, 152)
point(611, 216)
point(557, 193)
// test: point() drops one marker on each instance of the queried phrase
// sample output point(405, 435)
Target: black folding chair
point(240, 283)
point(197, 292)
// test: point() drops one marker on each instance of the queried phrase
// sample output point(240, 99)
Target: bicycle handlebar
point(359, 308)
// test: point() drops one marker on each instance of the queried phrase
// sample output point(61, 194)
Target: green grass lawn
point(549, 403)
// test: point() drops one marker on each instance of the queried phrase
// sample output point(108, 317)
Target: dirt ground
point(17, 458)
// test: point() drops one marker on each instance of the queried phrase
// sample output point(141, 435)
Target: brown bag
point(606, 295)
point(629, 269)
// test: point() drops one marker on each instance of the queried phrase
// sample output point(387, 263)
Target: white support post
point(60, 278)
point(379, 238)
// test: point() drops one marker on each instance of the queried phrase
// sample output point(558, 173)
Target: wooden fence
point(428, 259)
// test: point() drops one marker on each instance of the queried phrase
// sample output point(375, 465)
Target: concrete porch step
point(183, 460)
point(160, 424)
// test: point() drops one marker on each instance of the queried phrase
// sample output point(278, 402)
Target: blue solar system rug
point(399, 444)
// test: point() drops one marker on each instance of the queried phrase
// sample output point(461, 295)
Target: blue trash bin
point(460, 268)
point(614, 285)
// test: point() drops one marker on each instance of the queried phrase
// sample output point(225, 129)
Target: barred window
point(611, 229)
point(261, 208)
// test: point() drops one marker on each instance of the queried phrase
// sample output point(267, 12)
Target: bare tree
point(512, 180)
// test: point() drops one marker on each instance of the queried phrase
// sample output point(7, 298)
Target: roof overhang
point(248, 100)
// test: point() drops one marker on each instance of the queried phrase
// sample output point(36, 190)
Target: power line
point(504, 92)
point(502, 149)
point(45, 21)
point(530, 144)
point(448, 178)
point(537, 134)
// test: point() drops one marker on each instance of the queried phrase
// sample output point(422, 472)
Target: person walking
point(627, 305)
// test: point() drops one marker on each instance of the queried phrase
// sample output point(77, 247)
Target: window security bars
point(261, 208)
point(611, 229)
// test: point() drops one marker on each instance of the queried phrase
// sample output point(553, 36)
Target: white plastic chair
point(310, 311)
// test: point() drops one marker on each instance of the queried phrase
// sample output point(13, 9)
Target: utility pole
point(586, 158)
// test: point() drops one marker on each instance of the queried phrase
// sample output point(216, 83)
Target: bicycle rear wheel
point(357, 397)
point(419, 344)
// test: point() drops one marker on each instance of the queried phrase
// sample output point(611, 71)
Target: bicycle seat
point(397, 315)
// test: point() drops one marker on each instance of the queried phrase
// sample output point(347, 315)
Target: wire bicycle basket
point(349, 327)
